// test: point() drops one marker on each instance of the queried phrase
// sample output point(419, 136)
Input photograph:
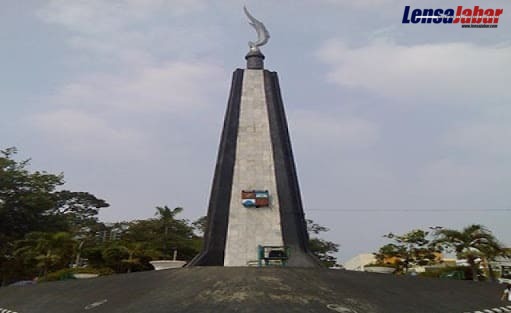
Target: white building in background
point(358, 262)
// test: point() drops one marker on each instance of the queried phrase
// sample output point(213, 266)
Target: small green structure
point(459, 275)
point(272, 255)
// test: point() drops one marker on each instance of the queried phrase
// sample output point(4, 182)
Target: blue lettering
point(427, 12)
point(405, 15)
point(415, 13)
point(449, 13)
point(437, 16)
point(438, 12)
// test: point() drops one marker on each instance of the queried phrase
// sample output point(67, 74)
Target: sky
point(394, 126)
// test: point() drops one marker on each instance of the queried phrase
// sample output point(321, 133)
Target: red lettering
point(467, 15)
point(458, 14)
point(477, 18)
point(498, 12)
point(489, 16)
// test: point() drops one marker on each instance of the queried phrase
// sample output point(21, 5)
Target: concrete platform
point(222, 289)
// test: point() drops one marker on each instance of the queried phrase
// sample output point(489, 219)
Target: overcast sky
point(394, 126)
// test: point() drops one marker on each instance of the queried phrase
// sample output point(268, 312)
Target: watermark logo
point(475, 17)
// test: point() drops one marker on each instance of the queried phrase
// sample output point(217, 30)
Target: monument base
point(245, 289)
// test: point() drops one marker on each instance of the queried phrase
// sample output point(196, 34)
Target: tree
point(200, 225)
point(31, 203)
point(167, 218)
point(26, 198)
point(114, 255)
point(47, 251)
point(321, 248)
point(164, 234)
point(79, 209)
point(471, 243)
point(410, 249)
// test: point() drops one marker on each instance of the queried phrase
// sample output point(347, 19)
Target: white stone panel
point(253, 170)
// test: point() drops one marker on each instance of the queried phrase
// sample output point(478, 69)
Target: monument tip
point(255, 60)
point(255, 57)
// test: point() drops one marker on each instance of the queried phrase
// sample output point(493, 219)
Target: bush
point(89, 270)
point(67, 273)
point(445, 271)
point(63, 274)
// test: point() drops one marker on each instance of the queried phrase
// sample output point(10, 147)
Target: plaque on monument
point(255, 198)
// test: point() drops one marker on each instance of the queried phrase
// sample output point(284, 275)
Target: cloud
point(133, 62)
point(362, 4)
point(132, 32)
point(442, 73)
point(335, 129)
point(85, 134)
point(484, 138)
point(119, 115)
point(171, 87)
point(457, 183)
point(99, 16)
point(448, 176)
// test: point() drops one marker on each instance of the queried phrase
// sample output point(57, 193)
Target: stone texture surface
point(253, 169)
point(254, 290)
point(215, 236)
point(294, 227)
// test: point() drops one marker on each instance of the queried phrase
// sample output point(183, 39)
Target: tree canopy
point(407, 250)
point(474, 243)
point(322, 249)
point(471, 243)
point(31, 205)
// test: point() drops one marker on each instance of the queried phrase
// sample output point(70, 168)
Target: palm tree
point(471, 243)
point(167, 218)
point(50, 250)
point(133, 249)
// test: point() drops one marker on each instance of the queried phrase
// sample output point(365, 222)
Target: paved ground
point(220, 289)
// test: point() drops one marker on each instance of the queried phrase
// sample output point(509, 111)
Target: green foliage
point(412, 248)
point(471, 243)
point(138, 242)
point(321, 248)
point(91, 270)
point(45, 230)
point(62, 274)
point(475, 243)
point(165, 234)
point(26, 198)
point(448, 272)
point(113, 257)
point(79, 209)
point(33, 213)
point(200, 225)
point(47, 251)
point(68, 273)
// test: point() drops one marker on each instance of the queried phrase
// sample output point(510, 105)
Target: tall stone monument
point(255, 204)
point(255, 211)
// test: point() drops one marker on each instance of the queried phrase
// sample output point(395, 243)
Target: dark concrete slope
point(224, 289)
point(212, 253)
point(293, 224)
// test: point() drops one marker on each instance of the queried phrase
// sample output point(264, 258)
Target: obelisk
point(255, 204)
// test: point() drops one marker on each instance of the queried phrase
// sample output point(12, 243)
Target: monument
point(255, 211)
